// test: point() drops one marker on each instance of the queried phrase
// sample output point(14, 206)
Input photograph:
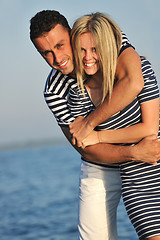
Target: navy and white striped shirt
point(57, 88)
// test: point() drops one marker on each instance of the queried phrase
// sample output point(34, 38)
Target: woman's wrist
point(103, 136)
point(98, 136)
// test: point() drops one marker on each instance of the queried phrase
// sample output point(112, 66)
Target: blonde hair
point(108, 39)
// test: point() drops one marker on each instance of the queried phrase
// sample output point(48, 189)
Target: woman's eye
point(94, 49)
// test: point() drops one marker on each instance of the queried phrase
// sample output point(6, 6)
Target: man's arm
point(148, 150)
point(130, 83)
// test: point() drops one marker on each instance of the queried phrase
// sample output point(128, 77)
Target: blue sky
point(24, 114)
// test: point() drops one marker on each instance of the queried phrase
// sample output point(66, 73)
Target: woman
point(96, 41)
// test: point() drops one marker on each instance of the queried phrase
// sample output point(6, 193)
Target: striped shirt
point(57, 88)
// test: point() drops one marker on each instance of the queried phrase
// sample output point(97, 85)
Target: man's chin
point(66, 71)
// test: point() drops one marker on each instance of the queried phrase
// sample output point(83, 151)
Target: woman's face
point(89, 55)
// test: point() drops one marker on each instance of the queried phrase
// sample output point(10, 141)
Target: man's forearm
point(148, 150)
point(130, 83)
point(108, 153)
point(123, 94)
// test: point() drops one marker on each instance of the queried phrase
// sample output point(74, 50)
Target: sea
point(39, 194)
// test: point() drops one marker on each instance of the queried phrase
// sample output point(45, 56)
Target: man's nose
point(57, 57)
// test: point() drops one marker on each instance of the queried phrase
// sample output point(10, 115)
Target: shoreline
point(32, 143)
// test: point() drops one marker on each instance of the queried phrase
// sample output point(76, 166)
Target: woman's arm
point(132, 134)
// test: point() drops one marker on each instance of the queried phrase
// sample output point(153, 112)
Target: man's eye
point(59, 46)
point(45, 54)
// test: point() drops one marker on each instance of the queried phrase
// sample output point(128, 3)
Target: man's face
point(56, 49)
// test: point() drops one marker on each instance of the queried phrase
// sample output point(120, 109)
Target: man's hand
point(148, 150)
point(79, 130)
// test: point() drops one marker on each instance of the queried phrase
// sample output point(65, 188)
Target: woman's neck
point(94, 88)
point(95, 81)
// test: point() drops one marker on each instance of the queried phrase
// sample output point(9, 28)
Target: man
point(50, 34)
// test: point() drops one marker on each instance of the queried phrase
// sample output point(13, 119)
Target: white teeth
point(89, 64)
point(63, 64)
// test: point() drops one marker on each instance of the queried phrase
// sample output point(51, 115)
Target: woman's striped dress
point(140, 181)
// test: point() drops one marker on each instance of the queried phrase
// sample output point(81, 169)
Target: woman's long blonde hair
point(108, 39)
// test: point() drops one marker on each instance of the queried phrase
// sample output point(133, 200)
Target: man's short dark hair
point(44, 21)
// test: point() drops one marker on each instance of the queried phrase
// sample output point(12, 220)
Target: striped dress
point(140, 181)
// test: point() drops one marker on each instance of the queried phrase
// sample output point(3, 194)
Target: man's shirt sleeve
point(150, 90)
point(55, 94)
point(125, 43)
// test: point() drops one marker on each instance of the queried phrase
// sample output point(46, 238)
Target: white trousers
point(99, 195)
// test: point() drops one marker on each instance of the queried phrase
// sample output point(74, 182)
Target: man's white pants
point(99, 195)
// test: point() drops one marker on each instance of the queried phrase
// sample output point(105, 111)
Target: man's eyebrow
point(60, 42)
point(44, 52)
point(47, 51)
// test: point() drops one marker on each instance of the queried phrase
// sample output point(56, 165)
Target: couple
point(107, 83)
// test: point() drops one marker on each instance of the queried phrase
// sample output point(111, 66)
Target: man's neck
point(72, 74)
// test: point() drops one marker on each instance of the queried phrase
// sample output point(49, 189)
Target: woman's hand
point(91, 139)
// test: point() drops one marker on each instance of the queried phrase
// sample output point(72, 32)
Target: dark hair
point(44, 21)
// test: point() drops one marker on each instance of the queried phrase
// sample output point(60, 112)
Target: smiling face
point(89, 55)
point(56, 49)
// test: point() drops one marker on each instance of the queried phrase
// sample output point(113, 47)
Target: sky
point(24, 114)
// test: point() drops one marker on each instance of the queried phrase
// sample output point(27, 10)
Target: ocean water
point(39, 195)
